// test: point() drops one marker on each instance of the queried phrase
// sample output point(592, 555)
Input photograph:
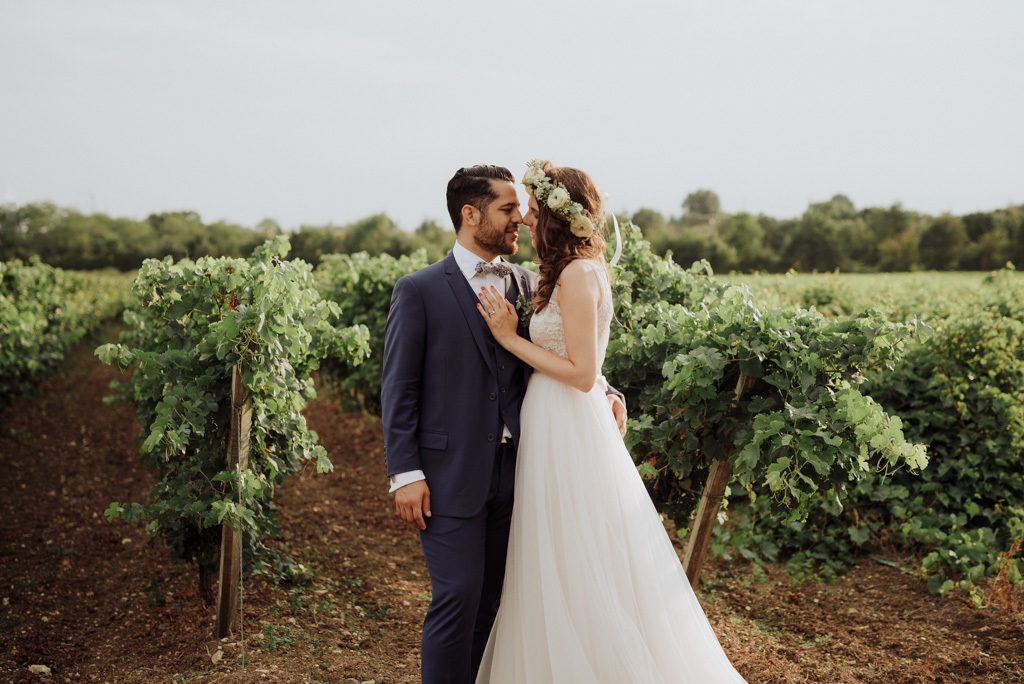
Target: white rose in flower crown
point(558, 198)
point(532, 175)
point(582, 227)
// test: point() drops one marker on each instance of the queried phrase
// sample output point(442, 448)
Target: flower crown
point(557, 199)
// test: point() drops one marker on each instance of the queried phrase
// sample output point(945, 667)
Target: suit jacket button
point(502, 390)
point(490, 437)
point(492, 396)
point(501, 366)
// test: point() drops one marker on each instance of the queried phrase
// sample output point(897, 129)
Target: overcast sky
point(329, 111)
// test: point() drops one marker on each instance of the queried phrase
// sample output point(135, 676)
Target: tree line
point(836, 235)
point(828, 236)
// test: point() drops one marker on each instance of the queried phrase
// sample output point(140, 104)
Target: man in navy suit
point(451, 400)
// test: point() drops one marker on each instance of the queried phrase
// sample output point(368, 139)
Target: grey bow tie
point(499, 269)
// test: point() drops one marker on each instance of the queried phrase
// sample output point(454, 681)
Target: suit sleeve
point(608, 389)
point(402, 377)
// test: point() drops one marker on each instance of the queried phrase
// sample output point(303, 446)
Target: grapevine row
point(43, 310)
point(960, 389)
point(191, 323)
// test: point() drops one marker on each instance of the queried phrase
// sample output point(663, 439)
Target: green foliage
point(828, 235)
point(827, 441)
point(838, 208)
point(277, 637)
point(71, 239)
point(191, 323)
point(802, 435)
point(803, 430)
point(959, 390)
point(962, 392)
point(814, 245)
point(899, 296)
point(437, 241)
point(702, 202)
point(311, 243)
point(43, 310)
point(942, 244)
point(361, 286)
point(378, 235)
point(745, 235)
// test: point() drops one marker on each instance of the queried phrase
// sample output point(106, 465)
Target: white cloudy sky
point(328, 111)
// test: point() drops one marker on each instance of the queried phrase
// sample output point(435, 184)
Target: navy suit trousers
point(466, 561)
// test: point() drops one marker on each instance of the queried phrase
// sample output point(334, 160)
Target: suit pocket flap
point(432, 440)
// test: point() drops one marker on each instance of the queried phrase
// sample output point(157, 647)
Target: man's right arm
point(402, 377)
point(399, 480)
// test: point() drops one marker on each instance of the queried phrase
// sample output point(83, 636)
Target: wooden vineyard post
point(231, 543)
point(710, 502)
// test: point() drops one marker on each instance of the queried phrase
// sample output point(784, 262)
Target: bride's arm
point(578, 296)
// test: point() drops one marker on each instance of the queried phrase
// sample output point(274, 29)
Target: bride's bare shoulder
point(584, 269)
point(578, 275)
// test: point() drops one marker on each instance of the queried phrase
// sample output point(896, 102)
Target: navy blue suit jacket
point(447, 388)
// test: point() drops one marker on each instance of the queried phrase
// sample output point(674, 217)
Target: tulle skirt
point(594, 591)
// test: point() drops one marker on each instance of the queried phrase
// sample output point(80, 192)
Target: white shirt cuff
point(402, 479)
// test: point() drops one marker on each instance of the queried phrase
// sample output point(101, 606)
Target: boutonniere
point(524, 307)
point(524, 302)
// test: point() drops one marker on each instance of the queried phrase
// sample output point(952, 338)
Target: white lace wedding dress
point(594, 591)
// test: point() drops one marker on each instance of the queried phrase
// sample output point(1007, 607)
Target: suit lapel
point(512, 293)
point(522, 284)
point(467, 301)
point(512, 289)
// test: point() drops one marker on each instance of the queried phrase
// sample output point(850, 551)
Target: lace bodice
point(548, 331)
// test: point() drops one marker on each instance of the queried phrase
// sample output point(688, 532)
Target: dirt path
point(95, 602)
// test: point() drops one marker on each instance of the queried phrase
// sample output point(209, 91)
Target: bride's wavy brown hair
point(556, 244)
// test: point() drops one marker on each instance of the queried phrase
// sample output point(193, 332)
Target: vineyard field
point(958, 388)
point(94, 601)
point(867, 423)
point(900, 296)
point(43, 310)
point(873, 426)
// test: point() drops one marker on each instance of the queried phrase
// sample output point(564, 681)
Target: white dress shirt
point(466, 262)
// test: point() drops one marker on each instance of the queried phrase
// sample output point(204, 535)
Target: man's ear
point(470, 215)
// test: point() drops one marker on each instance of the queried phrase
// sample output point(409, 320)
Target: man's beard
point(493, 239)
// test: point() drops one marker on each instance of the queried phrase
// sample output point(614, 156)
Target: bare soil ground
point(97, 602)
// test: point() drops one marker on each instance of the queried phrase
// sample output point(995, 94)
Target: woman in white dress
point(594, 591)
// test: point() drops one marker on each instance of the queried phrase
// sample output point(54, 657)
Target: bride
point(593, 591)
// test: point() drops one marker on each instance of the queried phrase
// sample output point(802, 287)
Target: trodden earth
point(85, 600)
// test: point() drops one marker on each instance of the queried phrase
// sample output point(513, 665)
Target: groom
point(451, 400)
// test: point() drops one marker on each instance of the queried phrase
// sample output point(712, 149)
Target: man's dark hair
point(472, 185)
